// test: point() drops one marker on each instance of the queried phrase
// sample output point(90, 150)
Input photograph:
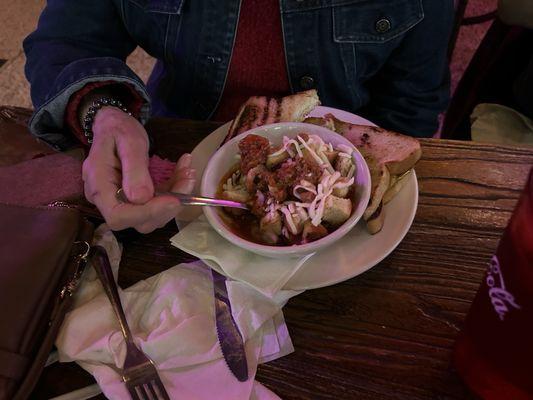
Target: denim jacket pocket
point(374, 21)
point(159, 6)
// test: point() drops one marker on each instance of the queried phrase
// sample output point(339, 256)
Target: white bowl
point(224, 159)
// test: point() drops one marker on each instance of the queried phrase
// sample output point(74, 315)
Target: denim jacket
point(383, 59)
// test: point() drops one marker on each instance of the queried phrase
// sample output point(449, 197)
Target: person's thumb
point(184, 177)
point(132, 151)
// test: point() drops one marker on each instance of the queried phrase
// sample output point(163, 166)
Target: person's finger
point(101, 165)
point(183, 162)
point(101, 184)
point(144, 217)
point(160, 214)
point(149, 216)
point(101, 188)
point(183, 178)
point(132, 149)
point(185, 182)
point(88, 193)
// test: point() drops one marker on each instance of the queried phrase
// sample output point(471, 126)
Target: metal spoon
point(189, 200)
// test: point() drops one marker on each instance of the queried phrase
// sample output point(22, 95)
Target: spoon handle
point(189, 200)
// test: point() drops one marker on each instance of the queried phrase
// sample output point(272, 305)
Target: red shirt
point(257, 65)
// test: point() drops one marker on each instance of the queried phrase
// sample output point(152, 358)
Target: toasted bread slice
point(325, 122)
point(398, 152)
point(380, 182)
point(389, 155)
point(376, 220)
point(397, 182)
point(262, 110)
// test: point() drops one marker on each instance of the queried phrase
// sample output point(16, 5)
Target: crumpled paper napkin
point(172, 318)
point(264, 274)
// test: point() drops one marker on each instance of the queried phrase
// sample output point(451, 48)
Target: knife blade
point(229, 337)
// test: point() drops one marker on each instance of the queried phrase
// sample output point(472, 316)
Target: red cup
point(494, 351)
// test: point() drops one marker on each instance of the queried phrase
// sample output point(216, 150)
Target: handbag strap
point(13, 365)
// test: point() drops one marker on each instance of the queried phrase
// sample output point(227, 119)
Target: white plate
point(356, 252)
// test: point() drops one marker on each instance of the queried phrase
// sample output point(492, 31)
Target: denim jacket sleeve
point(412, 89)
point(76, 42)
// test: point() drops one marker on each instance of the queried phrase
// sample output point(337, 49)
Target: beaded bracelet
point(95, 106)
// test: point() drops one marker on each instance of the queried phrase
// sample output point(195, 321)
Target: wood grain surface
point(388, 333)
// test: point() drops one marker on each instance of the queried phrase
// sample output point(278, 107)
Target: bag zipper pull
point(81, 261)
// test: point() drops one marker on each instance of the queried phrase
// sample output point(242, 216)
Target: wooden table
point(388, 333)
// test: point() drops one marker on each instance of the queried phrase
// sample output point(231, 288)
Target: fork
point(139, 372)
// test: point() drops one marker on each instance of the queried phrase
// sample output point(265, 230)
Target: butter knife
point(229, 337)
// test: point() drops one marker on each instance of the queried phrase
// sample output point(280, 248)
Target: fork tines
point(141, 378)
point(147, 388)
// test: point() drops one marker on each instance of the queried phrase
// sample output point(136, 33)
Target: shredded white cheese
point(288, 218)
point(311, 151)
point(306, 186)
point(324, 158)
point(232, 182)
point(315, 139)
point(324, 189)
point(286, 146)
point(278, 152)
point(302, 213)
point(271, 205)
point(298, 212)
point(294, 214)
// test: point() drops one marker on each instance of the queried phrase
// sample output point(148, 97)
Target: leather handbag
point(43, 251)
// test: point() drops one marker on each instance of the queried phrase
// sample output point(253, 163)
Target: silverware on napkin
point(139, 373)
point(229, 337)
point(190, 200)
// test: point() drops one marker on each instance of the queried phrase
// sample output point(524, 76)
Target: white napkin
point(266, 275)
point(172, 318)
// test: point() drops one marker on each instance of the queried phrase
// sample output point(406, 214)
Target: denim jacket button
point(383, 25)
point(307, 82)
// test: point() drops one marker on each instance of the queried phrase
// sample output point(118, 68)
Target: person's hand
point(119, 158)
